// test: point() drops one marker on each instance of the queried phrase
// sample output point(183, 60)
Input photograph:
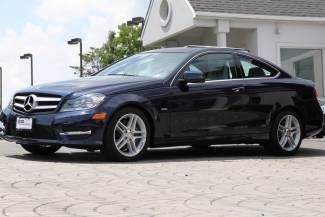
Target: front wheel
point(127, 136)
point(286, 134)
point(41, 149)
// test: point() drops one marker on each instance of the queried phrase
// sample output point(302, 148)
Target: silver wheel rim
point(289, 133)
point(130, 135)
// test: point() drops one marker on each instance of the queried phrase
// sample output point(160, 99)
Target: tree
point(118, 45)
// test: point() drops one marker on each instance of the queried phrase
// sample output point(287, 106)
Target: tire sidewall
point(274, 145)
point(110, 150)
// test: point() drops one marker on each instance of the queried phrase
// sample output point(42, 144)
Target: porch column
point(221, 39)
point(221, 32)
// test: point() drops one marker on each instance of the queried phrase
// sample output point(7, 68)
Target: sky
point(42, 27)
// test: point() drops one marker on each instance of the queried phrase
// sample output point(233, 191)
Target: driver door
point(211, 109)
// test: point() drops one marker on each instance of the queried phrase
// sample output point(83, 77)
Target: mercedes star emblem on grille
point(29, 103)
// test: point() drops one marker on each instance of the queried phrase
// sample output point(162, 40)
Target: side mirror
point(192, 77)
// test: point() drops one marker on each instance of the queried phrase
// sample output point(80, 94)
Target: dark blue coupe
point(196, 96)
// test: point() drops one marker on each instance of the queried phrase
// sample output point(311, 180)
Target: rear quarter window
point(253, 68)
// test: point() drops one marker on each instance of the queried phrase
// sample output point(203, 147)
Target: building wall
point(273, 36)
point(243, 38)
point(265, 38)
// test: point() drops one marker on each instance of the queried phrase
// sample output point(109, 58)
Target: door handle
point(238, 89)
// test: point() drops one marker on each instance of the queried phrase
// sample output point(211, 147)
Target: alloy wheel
point(130, 135)
point(289, 133)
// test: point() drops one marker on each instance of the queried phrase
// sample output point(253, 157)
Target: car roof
point(191, 49)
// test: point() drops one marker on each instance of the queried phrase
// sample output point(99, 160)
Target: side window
point(255, 69)
point(215, 66)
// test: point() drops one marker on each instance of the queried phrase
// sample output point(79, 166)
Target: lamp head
point(74, 41)
point(138, 20)
point(26, 56)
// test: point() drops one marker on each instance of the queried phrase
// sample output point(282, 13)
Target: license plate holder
point(24, 123)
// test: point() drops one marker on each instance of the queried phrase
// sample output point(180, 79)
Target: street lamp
point(75, 41)
point(135, 22)
point(29, 56)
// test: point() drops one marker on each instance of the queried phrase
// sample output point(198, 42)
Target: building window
point(306, 64)
point(165, 12)
point(305, 68)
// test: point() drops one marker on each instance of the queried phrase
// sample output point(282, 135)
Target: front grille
point(34, 103)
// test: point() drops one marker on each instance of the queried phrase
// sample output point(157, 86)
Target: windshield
point(155, 65)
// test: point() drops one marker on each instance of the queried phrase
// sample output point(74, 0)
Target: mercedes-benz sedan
point(195, 96)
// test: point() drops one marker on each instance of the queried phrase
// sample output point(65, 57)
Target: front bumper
point(70, 129)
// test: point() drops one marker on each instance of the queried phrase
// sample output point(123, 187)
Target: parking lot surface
point(220, 181)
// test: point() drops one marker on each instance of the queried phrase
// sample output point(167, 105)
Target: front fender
point(113, 104)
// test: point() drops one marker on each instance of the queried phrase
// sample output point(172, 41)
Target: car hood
point(93, 83)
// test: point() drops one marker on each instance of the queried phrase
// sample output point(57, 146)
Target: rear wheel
point(127, 136)
point(286, 134)
point(41, 149)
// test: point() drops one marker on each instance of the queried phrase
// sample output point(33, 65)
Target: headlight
point(86, 102)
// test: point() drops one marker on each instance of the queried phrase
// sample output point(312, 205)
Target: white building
point(290, 33)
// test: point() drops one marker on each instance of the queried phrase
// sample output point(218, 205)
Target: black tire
point(109, 149)
point(273, 146)
point(41, 150)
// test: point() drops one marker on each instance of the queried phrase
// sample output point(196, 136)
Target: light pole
point(29, 56)
point(135, 22)
point(75, 41)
